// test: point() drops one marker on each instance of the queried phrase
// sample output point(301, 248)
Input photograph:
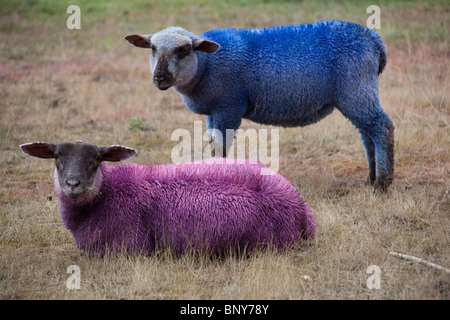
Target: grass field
point(61, 85)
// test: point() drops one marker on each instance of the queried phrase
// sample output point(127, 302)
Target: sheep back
point(287, 75)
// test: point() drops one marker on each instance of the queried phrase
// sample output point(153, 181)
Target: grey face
point(77, 163)
point(172, 65)
point(173, 58)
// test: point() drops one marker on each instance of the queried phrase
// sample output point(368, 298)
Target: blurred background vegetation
point(108, 21)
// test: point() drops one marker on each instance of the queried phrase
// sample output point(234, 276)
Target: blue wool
point(295, 76)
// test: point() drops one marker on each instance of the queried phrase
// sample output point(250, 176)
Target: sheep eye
point(153, 49)
point(184, 51)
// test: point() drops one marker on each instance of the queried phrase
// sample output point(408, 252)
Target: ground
point(61, 85)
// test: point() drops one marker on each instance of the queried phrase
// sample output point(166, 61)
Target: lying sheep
point(288, 76)
point(204, 206)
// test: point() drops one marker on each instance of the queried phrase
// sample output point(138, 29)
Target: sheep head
point(173, 60)
point(77, 163)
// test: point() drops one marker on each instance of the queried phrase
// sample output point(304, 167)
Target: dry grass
point(89, 85)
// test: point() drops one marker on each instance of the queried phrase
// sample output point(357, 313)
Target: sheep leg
point(377, 134)
point(384, 156)
point(369, 148)
point(209, 124)
point(218, 146)
point(216, 138)
point(217, 125)
point(209, 129)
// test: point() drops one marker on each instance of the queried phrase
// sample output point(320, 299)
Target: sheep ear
point(116, 153)
point(139, 41)
point(205, 45)
point(39, 149)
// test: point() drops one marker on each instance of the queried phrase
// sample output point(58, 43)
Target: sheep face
point(77, 164)
point(173, 58)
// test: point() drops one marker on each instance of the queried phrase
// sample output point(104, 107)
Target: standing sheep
point(288, 76)
point(205, 206)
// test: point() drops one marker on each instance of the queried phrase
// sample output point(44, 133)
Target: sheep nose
point(159, 77)
point(72, 182)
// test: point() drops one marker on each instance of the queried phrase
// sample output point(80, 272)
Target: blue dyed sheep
point(287, 76)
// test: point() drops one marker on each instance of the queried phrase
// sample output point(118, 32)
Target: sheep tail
point(381, 48)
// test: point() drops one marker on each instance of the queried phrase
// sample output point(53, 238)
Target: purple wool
point(204, 206)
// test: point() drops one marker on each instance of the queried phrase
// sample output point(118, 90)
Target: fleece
point(206, 206)
point(294, 76)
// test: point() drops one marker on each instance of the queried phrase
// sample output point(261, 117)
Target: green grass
point(154, 14)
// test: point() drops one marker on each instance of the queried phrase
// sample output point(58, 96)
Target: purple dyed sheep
point(206, 206)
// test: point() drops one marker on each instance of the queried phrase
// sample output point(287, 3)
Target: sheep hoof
point(381, 185)
point(370, 180)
